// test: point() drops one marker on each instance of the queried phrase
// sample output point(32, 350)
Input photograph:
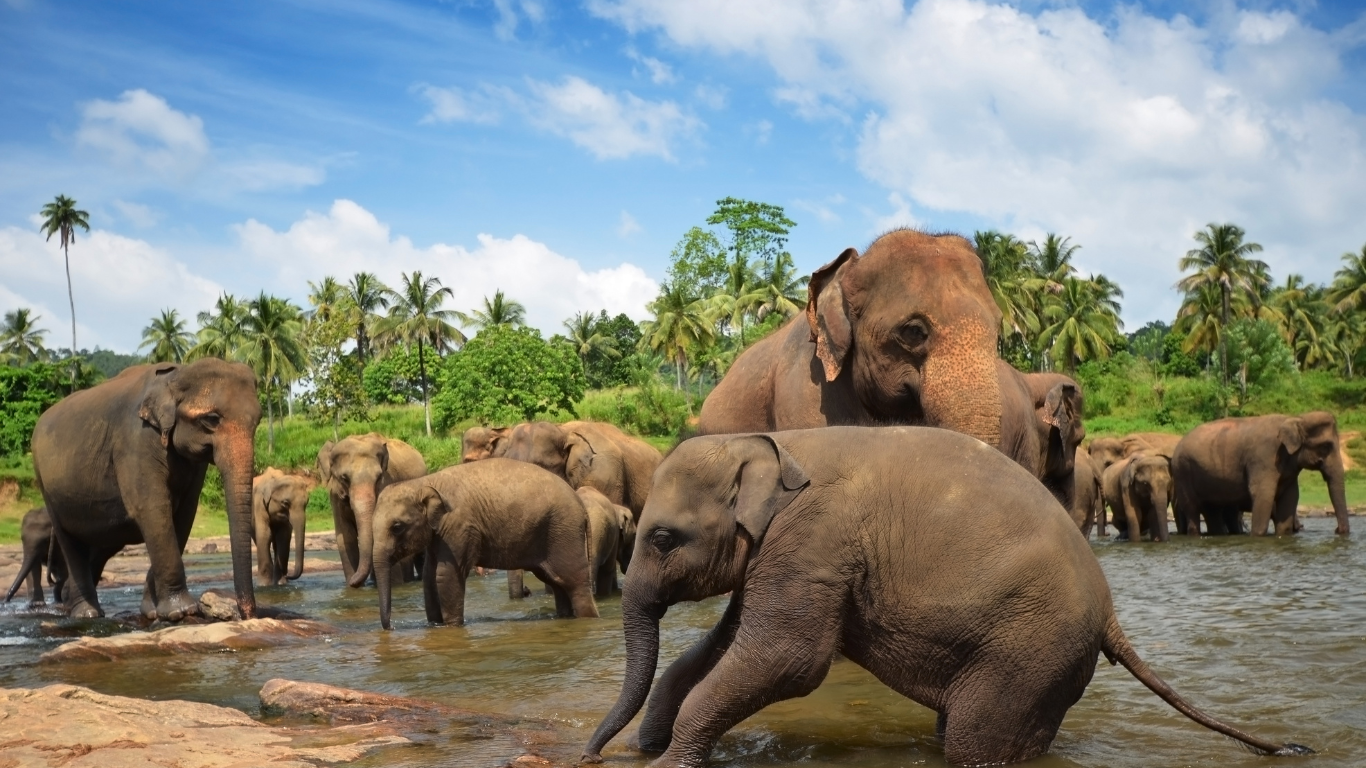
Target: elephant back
point(405, 461)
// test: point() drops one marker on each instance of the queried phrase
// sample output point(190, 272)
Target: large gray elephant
point(355, 470)
point(280, 510)
point(1057, 408)
point(1227, 467)
point(124, 462)
point(35, 535)
point(997, 626)
point(495, 513)
point(904, 334)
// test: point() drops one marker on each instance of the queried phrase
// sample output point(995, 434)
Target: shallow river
point(1269, 635)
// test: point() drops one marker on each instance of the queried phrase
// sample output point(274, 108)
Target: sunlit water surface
point(1268, 634)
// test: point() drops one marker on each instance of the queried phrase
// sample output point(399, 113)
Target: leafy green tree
point(395, 378)
point(108, 364)
point(1052, 259)
point(21, 340)
point(1301, 311)
point(1260, 355)
point(698, 262)
point(271, 346)
point(24, 394)
point(781, 290)
point(587, 334)
point(1006, 265)
point(334, 391)
point(167, 337)
point(62, 218)
point(1223, 262)
point(1081, 326)
point(507, 374)
point(681, 326)
point(757, 230)
point(606, 371)
point(327, 299)
point(221, 331)
point(739, 297)
point(416, 317)
point(500, 310)
point(1176, 359)
point(1147, 342)
point(364, 296)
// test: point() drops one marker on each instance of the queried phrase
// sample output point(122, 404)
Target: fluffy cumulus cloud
point(349, 239)
point(140, 130)
point(119, 284)
point(609, 125)
point(1128, 134)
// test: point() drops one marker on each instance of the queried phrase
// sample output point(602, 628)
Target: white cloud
point(608, 125)
point(259, 175)
point(711, 96)
point(119, 283)
point(137, 214)
point(348, 239)
point(1129, 134)
point(660, 73)
point(143, 132)
point(822, 209)
point(510, 13)
point(627, 226)
point(455, 105)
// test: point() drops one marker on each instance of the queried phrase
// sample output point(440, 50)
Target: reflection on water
point(1269, 635)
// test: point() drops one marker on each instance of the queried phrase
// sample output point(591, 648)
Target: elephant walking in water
point(35, 533)
point(280, 510)
point(356, 469)
point(1227, 467)
point(850, 541)
point(124, 462)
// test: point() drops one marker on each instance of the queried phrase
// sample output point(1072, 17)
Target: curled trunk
point(640, 622)
point(234, 462)
point(298, 516)
point(363, 506)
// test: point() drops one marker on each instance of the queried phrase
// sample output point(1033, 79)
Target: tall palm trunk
point(426, 401)
point(270, 421)
point(71, 299)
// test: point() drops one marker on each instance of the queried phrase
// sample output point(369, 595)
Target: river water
point(1267, 634)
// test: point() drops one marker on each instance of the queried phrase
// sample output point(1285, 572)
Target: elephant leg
point(564, 606)
point(165, 524)
point(82, 601)
point(1263, 505)
point(1187, 511)
point(573, 596)
point(786, 655)
point(605, 581)
point(35, 586)
point(993, 719)
point(262, 541)
point(1287, 504)
point(344, 523)
point(516, 589)
point(656, 728)
point(279, 541)
point(443, 584)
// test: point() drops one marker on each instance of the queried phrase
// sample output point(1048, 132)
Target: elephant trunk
point(298, 517)
point(640, 620)
point(960, 389)
point(363, 505)
point(384, 581)
point(1333, 476)
point(234, 457)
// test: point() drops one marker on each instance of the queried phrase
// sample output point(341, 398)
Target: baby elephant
point(852, 541)
point(609, 527)
point(35, 532)
point(279, 509)
point(495, 513)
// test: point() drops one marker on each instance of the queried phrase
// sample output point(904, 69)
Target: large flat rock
point(76, 727)
point(196, 638)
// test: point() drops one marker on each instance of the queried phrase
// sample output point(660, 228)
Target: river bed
point(1267, 634)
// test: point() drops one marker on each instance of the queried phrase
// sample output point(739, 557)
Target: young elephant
point(356, 470)
point(604, 538)
point(1088, 505)
point(851, 540)
point(35, 532)
point(279, 508)
point(495, 513)
point(1139, 491)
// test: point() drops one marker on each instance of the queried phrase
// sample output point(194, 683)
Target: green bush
point(650, 409)
point(24, 394)
point(395, 379)
point(506, 375)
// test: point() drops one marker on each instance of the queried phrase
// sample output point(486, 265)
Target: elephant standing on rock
point(1227, 467)
point(280, 509)
point(355, 470)
point(35, 533)
point(124, 462)
point(495, 513)
point(1139, 489)
point(904, 334)
point(997, 626)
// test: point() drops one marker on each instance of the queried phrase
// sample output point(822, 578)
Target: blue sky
point(560, 150)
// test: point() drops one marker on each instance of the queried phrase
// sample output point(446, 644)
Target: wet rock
point(219, 605)
point(72, 726)
point(203, 638)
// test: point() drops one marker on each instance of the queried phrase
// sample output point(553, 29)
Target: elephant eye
point(397, 526)
point(211, 420)
point(663, 541)
point(914, 333)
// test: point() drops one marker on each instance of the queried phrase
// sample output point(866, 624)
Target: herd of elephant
point(871, 481)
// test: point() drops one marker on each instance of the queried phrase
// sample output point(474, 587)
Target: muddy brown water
point(1267, 634)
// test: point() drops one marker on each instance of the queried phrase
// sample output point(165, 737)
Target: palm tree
point(416, 316)
point(1222, 260)
point(20, 338)
point(1349, 283)
point(740, 295)
point(167, 337)
point(586, 337)
point(1005, 263)
point(61, 217)
point(500, 311)
point(1080, 325)
point(1198, 319)
point(781, 289)
point(1298, 310)
point(1053, 259)
point(220, 331)
point(682, 324)
point(270, 345)
point(364, 297)
point(326, 298)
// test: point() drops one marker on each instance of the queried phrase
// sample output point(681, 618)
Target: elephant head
point(1061, 415)
point(1311, 441)
point(712, 501)
point(483, 443)
point(628, 537)
point(913, 324)
point(405, 517)
point(207, 412)
point(355, 469)
point(1146, 487)
point(284, 497)
point(540, 443)
point(593, 459)
point(1105, 451)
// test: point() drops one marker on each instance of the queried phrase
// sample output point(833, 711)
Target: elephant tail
point(1116, 648)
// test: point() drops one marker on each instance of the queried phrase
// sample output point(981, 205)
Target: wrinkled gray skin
point(997, 626)
point(1227, 467)
point(604, 539)
point(1139, 489)
point(589, 453)
point(1088, 506)
point(35, 533)
point(280, 509)
point(356, 470)
point(124, 461)
point(479, 443)
point(495, 513)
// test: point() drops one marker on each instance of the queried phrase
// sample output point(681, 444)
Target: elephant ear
point(159, 402)
point(1062, 411)
point(431, 503)
point(383, 455)
point(767, 480)
point(325, 461)
point(1292, 435)
point(828, 315)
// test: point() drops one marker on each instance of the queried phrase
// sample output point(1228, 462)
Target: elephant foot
point(84, 610)
point(177, 606)
point(650, 743)
point(1342, 530)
